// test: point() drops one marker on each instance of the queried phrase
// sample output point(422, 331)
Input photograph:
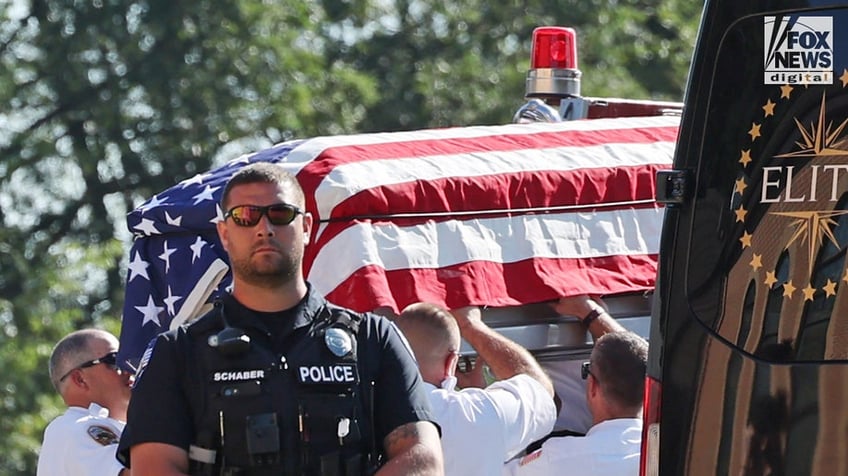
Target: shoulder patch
point(103, 435)
point(531, 457)
point(145, 359)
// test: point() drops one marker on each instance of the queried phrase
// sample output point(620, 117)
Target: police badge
point(338, 341)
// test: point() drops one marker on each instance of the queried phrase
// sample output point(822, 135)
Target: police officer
point(275, 380)
point(82, 441)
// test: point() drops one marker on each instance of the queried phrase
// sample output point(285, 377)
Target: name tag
point(328, 374)
point(238, 375)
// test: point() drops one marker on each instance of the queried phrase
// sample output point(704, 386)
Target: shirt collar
point(447, 385)
point(96, 410)
point(304, 312)
point(615, 423)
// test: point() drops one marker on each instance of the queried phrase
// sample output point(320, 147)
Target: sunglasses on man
point(249, 215)
point(110, 359)
point(586, 371)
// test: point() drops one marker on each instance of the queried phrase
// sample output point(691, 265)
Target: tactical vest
point(300, 412)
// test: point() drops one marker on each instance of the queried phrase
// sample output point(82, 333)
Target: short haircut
point(431, 331)
point(619, 361)
point(264, 172)
point(71, 351)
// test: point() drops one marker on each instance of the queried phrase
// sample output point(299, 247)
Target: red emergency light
point(554, 47)
point(553, 85)
point(553, 73)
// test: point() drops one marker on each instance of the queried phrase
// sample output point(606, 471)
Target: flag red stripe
point(332, 157)
point(494, 192)
point(513, 239)
point(505, 191)
point(495, 284)
point(434, 144)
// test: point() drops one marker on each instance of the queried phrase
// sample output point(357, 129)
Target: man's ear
point(221, 227)
point(450, 364)
point(78, 380)
point(307, 226)
point(594, 388)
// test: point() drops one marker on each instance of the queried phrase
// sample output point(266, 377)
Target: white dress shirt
point(81, 442)
point(611, 447)
point(483, 428)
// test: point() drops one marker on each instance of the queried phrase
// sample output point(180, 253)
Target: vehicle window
point(767, 262)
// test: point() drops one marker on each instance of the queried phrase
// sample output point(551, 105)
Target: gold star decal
point(769, 108)
point(745, 159)
point(818, 140)
point(813, 227)
point(829, 288)
point(740, 214)
point(788, 289)
point(754, 132)
point(757, 262)
point(809, 291)
point(745, 240)
point(844, 78)
point(740, 185)
point(770, 279)
point(785, 91)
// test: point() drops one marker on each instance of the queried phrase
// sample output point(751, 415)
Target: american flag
point(484, 215)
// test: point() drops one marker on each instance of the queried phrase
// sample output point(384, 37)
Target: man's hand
point(581, 306)
point(467, 317)
point(578, 306)
point(472, 378)
point(504, 357)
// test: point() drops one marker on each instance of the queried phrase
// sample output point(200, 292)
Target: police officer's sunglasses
point(249, 215)
point(110, 359)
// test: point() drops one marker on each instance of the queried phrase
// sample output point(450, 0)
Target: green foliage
point(105, 102)
point(64, 290)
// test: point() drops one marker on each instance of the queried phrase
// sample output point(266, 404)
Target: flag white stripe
point(309, 150)
point(349, 179)
point(441, 244)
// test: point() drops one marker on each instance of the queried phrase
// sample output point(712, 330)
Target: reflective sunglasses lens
point(281, 214)
point(246, 215)
point(110, 359)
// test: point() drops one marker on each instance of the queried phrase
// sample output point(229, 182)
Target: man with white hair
point(481, 427)
point(83, 440)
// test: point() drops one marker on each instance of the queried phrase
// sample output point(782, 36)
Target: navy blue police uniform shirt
point(164, 393)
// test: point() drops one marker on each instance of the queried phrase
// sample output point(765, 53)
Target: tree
point(444, 64)
point(107, 102)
